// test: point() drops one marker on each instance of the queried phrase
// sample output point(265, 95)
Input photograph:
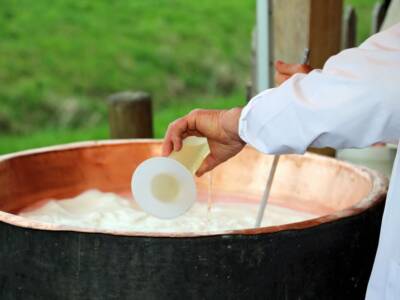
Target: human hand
point(284, 71)
point(220, 127)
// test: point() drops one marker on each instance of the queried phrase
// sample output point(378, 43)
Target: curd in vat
point(94, 209)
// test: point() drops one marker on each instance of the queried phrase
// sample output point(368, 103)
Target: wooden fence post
point(313, 24)
point(251, 86)
point(392, 15)
point(130, 115)
point(249, 91)
point(349, 28)
point(378, 15)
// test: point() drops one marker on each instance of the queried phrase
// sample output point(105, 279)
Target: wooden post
point(349, 28)
point(300, 24)
point(313, 24)
point(251, 85)
point(130, 115)
point(378, 15)
point(252, 91)
point(392, 15)
point(249, 91)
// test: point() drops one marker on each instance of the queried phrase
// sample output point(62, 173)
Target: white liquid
point(94, 209)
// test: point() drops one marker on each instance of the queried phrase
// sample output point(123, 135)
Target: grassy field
point(61, 59)
point(52, 136)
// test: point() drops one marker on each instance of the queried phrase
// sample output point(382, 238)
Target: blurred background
point(60, 60)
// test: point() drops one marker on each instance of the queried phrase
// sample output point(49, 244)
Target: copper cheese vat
point(329, 257)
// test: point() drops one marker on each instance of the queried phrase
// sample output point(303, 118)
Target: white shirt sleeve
point(354, 101)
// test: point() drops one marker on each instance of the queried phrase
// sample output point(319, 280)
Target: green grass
point(59, 60)
point(51, 136)
point(47, 137)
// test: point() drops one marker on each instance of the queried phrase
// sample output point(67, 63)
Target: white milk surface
point(95, 209)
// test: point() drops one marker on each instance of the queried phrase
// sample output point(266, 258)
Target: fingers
point(167, 147)
point(208, 164)
point(290, 69)
point(179, 130)
point(174, 136)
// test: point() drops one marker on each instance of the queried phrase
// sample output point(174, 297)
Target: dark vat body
point(325, 262)
point(330, 258)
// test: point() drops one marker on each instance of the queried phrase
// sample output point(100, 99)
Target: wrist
point(230, 123)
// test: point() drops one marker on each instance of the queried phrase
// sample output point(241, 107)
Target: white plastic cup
point(164, 186)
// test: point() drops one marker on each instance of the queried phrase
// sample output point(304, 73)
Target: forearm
point(285, 121)
point(353, 102)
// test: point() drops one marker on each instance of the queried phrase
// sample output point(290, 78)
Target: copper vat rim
point(376, 196)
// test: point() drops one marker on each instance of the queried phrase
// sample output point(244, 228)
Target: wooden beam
point(291, 29)
point(378, 15)
point(349, 28)
point(313, 24)
point(130, 115)
point(392, 16)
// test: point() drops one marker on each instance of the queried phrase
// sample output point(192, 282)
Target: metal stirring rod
point(265, 196)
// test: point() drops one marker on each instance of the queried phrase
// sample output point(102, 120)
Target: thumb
point(209, 163)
